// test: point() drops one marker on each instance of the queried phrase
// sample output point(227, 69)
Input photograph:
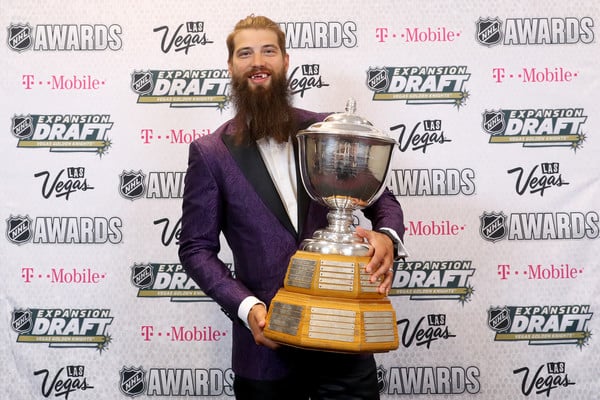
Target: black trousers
point(317, 376)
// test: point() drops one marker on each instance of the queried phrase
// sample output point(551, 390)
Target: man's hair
point(255, 22)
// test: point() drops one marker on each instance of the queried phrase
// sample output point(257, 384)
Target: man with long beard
point(243, 181)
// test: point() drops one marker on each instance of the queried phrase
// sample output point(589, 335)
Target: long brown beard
point(267, 111)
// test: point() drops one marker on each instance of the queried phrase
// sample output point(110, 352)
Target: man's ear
point(286, 61)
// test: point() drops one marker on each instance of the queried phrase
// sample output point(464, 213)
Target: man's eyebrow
point(265, 46)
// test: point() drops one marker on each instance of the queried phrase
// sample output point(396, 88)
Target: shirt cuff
point(245, 307)
point(393, 235)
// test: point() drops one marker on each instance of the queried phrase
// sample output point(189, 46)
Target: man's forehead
point(252, 37)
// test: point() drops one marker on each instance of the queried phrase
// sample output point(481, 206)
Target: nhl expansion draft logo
point(560, 127)
point(22, 126)
point(498, 319)
point(489, 31)
point(63, 132)
point(420, 84)
point(377, 79)
point(155, 280)
point(132, 184)
point(21, 321)
point(494, 122)
point(493, 226)
point(62, 328)
point(19, 37)
point(546, 324)
point(183, 88)
point(434, 280)
point(142, 83)
point(133, 381)
point(19, 229)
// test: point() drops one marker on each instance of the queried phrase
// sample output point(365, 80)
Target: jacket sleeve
point(386, 212)
point(199, 242)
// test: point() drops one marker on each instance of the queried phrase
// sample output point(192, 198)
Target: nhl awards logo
point(535, 31)
point(132, 184)
point(19, 37)
point(489, 31)
point(493, 226)
point(18, 229)
point(133, 381)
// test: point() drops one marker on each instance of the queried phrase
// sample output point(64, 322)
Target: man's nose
point(258, 60)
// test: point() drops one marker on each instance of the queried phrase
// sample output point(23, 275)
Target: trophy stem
point(340, 221)
point(338, 238)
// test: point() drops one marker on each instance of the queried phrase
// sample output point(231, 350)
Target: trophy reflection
point(328, 301)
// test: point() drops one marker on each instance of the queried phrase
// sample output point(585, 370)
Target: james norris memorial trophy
point(327, 301)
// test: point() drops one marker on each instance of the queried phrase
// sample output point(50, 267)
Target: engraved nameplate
point(301, 272)
point(285, 318)
point(332, 324)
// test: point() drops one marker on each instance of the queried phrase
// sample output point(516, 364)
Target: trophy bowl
point(344, 162)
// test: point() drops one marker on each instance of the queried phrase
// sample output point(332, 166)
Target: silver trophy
point(328, 301)
point(344, 162)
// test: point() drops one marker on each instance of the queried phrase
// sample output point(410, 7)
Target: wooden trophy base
point(328, 303)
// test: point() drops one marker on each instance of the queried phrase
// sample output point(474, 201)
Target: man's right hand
point(257, 321)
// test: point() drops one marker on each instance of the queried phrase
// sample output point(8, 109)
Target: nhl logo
point(18, 229)
point(132, 381)
point(493, 226)
point(488, 31)
point(381, 381)
point(141, 82)
point(499, 319)
point(141, 276)
point(494, 122)
point(22, 127)
point(21, 321)
point(19, 37)
point(377, 79)
point(133, 185)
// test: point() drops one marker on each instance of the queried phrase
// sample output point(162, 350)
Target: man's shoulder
point(215, 135)
point(307, 117)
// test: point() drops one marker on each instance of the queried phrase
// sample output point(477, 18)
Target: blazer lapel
point(248, 158)
point(303, 197)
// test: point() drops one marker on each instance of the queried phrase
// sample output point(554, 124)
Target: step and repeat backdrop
point(494, 106)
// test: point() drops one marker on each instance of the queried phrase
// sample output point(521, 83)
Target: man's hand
point(257, 321)
point(382, 258)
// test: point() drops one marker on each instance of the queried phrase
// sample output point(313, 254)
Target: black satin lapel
point(248, 158)
point(303, 198)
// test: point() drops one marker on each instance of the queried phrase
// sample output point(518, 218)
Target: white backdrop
point(495, 112)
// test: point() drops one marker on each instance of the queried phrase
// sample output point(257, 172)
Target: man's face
point(256, 57)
